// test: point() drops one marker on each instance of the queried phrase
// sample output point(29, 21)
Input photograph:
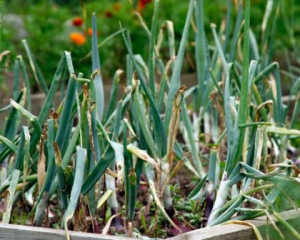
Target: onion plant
point(232, 138)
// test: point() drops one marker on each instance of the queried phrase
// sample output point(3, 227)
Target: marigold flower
point(77, 21)
point(90, 32)
point(142, 5)
point(77, 38)
point(108, 14)
point(117, 6)
point(145, 1)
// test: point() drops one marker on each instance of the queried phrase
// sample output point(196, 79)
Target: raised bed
point(18, 232)
point(244, 232)
point(224, 232)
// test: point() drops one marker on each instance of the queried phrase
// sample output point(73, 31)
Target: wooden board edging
point(243, 232)
point(19, 232)
point(224, 232)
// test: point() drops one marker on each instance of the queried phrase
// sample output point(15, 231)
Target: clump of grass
point(233, 139)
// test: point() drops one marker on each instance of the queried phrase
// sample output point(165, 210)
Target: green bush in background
point(49, 23)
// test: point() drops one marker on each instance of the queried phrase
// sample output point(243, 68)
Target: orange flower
point(77, 38)
point(77, 21)
point(90, 32)
point(142, 5)
point(117, 6)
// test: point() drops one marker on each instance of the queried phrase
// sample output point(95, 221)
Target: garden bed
point(224, 232)
point(163, 159)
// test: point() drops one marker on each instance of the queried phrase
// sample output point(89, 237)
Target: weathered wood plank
point(18, 232)
point(224, 232)
point(242, 232)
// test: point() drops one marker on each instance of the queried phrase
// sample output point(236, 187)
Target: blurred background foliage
point(47, 26)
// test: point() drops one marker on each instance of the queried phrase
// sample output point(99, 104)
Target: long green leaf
point(175, 80)
point(192, 141)
point(99, 169)
point(130, 180)
point(236, 32)
point(200, 52)
point(144, 122)
point(81, 155)
point(53, 89)
point(11, 190)
point(22, 155)
point(159, 132)
point(243, 109)
point(65, 118)
point(113, 93)
point(8, 143)
point(61, 176)
point(35, 68)
point(12, 121)
point(151, 61)
point(71, 147)
point(26, 81)
point(98, 90)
